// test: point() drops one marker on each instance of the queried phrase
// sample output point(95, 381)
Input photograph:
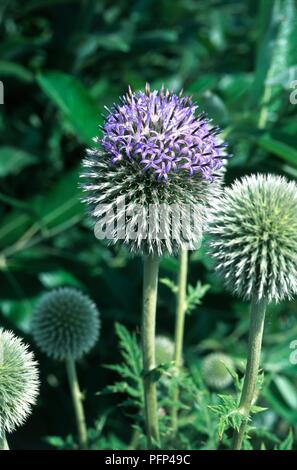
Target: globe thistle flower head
point(215, 370)
point(18, 382)
point(254, 237)
point(155, 151)
point(164, 349)
point(161, 132)
point(65, 324)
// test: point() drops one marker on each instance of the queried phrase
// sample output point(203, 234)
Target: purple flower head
point(156, 170)
point(162, 132)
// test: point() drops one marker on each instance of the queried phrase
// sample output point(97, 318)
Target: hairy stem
point(77, 402)
point(258, 310)
point(150, 287)
point(179, 327)
point(3, 442)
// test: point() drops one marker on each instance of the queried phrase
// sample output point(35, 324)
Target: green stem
point(179, 327)
point(77, 402)
point(3, 443)
point(135, 439)
point(150, 287)
point(258, 310)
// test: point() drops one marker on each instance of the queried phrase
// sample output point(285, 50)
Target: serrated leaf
point(257, 409)
point(170, 284)
point(227, 413)
point(195, 295)
point(130, 369)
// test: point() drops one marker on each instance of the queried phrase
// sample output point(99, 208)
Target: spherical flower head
point(18, 382)
point(65, 324)
point(155, 151)
point(254, 237)
point(164, 349)
point(215, 370)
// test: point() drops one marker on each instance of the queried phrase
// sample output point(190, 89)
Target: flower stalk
point(179, 327)
point(150, 286)
point(77, 403)
point(3, 442)
point(258, 310)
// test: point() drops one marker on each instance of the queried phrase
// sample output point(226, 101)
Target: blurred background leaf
point(74, 101)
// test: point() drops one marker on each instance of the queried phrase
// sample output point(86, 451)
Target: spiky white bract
point(155, 170)
point(65, 324)
point(19, 382)
point(215, 370)
point(124, 193)
point(253, 232)
point(164, 349)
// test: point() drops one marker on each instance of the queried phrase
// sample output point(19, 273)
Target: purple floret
point(161, 131)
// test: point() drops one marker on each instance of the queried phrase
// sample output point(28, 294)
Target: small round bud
point(164, 349)
point(215, 370)
point(65, 324)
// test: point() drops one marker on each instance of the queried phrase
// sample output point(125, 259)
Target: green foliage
point(96, 439)
point(12, 161)
point(77, 104)
point(195, 294)
point(287, 443)
point(228, 414)
point(130, 370)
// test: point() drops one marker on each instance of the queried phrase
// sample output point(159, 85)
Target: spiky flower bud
point(215, 370)
point(254, 237)
point(164, 349)
point(18, 382)
point(157, 166)
point(65, 324)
